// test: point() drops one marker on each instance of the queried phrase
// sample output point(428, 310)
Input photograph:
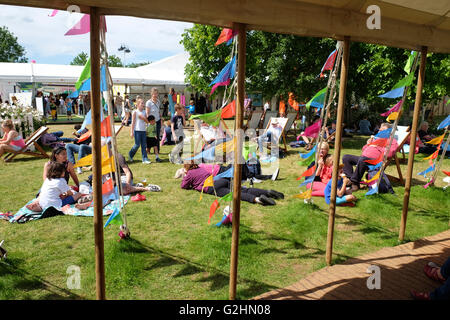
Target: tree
point(114, 61)
point(81, 59)
point(137, 64)
point(10, 49)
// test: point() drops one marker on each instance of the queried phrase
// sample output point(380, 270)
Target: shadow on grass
point(24, 281)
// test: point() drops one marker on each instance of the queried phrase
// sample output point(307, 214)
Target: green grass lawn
point(174, 254)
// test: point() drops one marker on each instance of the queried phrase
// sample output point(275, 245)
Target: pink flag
point(312, 130)
point(395, 108)
point(225, 83)
point(329, 63)
point(83, 26)
point(53, 13)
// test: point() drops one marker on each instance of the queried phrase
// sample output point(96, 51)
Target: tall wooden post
point(337, 149)
point(242, 41)
point(412, 146)
point(96, 110)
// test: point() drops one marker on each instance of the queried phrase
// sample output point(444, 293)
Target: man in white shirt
point(272, 134)
point(267, 106)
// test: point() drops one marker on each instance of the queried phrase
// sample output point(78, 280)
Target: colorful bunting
point(81, 27)
point(85, 74)
point(54, 12)
point(392, 116)
point(309, 154)
point(225, 36)
point(308, 172)
point(445, 123)
point(227, 198)
point(384, 134)
point(410, 61)
point(214, 206)
point(305, 195)
point(446, 172)
point(307, 162)
point(106, 127)
point(374, 178)
point(379, 164)
point(382, 142)
point(433, 156)
point(374, 190)
point(85, 136)
point(108, 165)
point(319, 98)
point(208, 154)
point(428, 170)
point(228, 72)
point(212, 118)
point(375, 161)
point(436, 140)
point(304, 183)
point(229, 110)
point(395, 93)
point(107, 187)
point(87, 160)
point(226, 174)
point(395, 108)
point(329, 63)
point(115, 218)
point(209, 182)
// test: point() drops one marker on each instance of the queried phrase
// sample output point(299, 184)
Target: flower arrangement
point(25, 118)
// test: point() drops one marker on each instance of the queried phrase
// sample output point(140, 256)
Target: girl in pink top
point(324, 171)
point(11, 140)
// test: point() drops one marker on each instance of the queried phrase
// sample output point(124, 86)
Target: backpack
point(253, 167)
point(385, 185)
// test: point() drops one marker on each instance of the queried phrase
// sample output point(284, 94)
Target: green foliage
point(114, 61)
point(137, 64)
point(80, 59)
point(10, 49)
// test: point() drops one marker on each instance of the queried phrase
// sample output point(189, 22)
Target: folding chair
point(254, 120)
point(31, 140)
point(283, 122)
point(268, 116)
point(291, 116)
point(402, 135)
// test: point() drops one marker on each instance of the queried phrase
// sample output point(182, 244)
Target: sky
point(44, 41)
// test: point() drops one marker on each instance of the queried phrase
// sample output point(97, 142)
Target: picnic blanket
point(25, 215)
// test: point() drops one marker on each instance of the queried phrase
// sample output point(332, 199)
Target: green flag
point(227, 197)
point(308, 161)
point(405, 82)
point(85, 74)
point(212, 118)
point(410, 61)
point(319, 98)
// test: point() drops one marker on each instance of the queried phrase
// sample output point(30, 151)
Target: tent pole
point(412, 146)
point(237, 158)
point(337, 150)
point(96, 108)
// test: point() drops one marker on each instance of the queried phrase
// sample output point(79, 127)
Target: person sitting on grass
point(196, 176)
point(343, 195)
point(55, 192)
point(311, 133)
point(323, 171)
point(12, 140)
point(59, 154)
point(439, 274)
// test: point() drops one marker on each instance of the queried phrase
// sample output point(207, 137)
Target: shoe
point(355, 187)
point(158, 160)
point(275, 174)
point(79, 170)
point(140, 185)
point(138, 197)
point(420, 295)
point(130, 159)
point(275, 194)
point(146, 161)
point(153, 188)
point(265, 200)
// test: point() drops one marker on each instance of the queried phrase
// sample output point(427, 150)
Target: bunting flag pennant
point(83, 26)
point(308, 172)
point(227, 198)
point(375, 161)
point(405, 82)
point(106, 127)
point(374, 190)
point(305, 195)
point(224, 218)
point(309, 154)
point(229, 111)
point(307, 162)
point(382, 142)
point(319, 98)
point(428, 170)
point(226, 174)
point(86, 85)
point(85, 74)
point(395, 93)
point(208, 154)
point(87, 160)
point(218, 84)
point(107, 187)
point(410, 62)
point(115, 218)
point(209, 182)
point(54, 12)
point(392, 116)
point(214, 206)
point(228, 72)
point(379, 164)
point(445, 123)
point(433, 156)
point(212, 118)
point(304, 183)
point(375, 177)
point(395, 108)
point(329, 63)
point(228, 146)
point(446, 172)
point(249, 150)
point(225, 36)
point(108, 165)
point(436, 140)
point(384, 134)
point(85, 136)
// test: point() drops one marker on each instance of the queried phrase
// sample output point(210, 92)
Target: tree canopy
point(10, 49)
point(113, 61)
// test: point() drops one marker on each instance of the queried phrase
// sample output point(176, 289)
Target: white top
point(266, 106)
point(153, 108)
point(139, 124)
point(50, 192)
point(208, 133)
point(276, 132)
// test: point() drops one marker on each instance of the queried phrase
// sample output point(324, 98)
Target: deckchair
point(268, 116)
point(31, 140)
point(254, 120)
point(402, 135)
point(282, 122)
point(291, 116)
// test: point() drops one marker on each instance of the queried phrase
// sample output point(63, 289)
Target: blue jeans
point(140, 140)
point(82, 150)
point(443, 292)
point(262, 138)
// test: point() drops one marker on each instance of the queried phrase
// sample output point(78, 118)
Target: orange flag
point(308, 172)
point(108, 186)
point(446, 172)
point(84, 136)
point(432, 156)
point(229, 111)
point(106, 127)
point(380, 142)
point(214, 206)
point(376, 161)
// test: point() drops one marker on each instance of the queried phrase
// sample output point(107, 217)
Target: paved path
point(401, 269)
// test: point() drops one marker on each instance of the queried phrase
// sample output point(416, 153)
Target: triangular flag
point(226, 174)
point(307, 162)
point(446, 172)
point(329, 63)
point(107, 187)
point(384, 133)
point(405, 82)
point(433, 156)
point(209, 182)
point(225, 36)
point(85, 74)
point(410, 61)
point(375, 177)
point(319, 98)
point(436, 140)
point(309, 180)
point(392, 116)
point(106, 127)
point(228, 197)
point(87, 160)
point(85, 136)
point(108, 165)
point(395, 108)
point(214, 206)
point(115, 218)
point(308, 172)
point(394, 93)
point(445, 123)
point(382, 142)
point(54, 12)
point(309, 154)
point(374, 190)
point(375, 161)
point(379, 164)
point(305, 195)
point(229, 111)
point(212, 118)
point(429, 169)
point(208, 154)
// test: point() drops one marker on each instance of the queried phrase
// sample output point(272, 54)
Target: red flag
point(229, 111)
point(85, 136)
point(380, 142)
point(215, 205)
point(376, 161)
point(446, 172)
point(329, 63)
point(308, 172)
point(225, 35)
point(106, 127)
point(108, 186)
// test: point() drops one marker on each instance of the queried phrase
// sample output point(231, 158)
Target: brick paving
point(401, 270)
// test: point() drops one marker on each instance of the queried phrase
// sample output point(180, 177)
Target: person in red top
point(369, 152)
point(324, 171)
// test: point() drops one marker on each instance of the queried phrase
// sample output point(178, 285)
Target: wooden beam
point(412, 146)
point(337, 147)
point(242, 38)
point(96, 110)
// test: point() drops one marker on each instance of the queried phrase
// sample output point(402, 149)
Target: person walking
point(138, 131)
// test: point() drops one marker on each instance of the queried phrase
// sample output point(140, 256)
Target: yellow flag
point(375, 177)
point(108, 165)
point(392, 116)
point(305, 195)
point(437, 140)
point(87, 161)
point(434, 155)
point(209, 182)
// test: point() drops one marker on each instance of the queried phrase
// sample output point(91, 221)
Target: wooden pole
point(237, 158)
point(412, 146)
point(96, 109)
point(337, 149)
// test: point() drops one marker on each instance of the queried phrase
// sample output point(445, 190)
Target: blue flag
point(307, 181)
point(424, 173)
point(309, 154)
point(395, 93)
point(208, 154)
point(227, 174)
point(384, 134)
point(444, 123)
point(374, 190)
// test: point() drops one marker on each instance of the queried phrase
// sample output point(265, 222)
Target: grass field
point(174, 254)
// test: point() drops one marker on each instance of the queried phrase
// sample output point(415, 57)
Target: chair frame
point(32, 139)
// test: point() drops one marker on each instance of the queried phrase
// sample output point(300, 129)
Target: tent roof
point(168, 71)
point(407, 24)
